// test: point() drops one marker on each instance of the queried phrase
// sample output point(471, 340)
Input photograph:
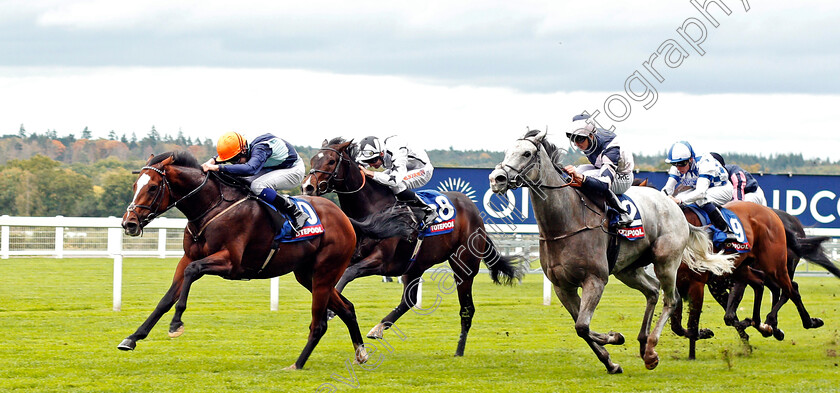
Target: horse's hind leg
point(464, 274)
point(791, 291)
point(215, 264)
point(164, 305)
point(582, 308)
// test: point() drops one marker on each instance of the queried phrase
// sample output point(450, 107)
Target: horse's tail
point(698, 255)
point(810, 248)
point(504, 270)
point(385, 224)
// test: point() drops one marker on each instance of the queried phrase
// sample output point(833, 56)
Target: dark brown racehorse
point(766, 235)
point(229, 235)
point(334, 169)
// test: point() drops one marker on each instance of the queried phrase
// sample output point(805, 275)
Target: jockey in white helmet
point(610, 171)
point(707, 179)
point(405, 169)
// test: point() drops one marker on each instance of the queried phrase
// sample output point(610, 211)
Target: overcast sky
point(443, 73)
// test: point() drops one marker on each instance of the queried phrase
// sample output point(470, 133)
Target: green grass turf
point(58, 333)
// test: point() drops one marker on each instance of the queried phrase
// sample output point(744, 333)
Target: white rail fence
point(62, 237)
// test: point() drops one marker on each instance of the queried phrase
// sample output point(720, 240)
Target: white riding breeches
point(619, 185)
point(279, 179)
point(717, 195)
point(756, 197)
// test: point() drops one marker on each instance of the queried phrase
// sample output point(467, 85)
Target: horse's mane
point(351, 149)
point(556, 154)
point(179, 157)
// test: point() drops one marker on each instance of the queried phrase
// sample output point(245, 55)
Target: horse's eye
point(526, 154)
point(153, 188)
point(332, 162)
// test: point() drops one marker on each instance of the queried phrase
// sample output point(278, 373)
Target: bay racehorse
point(574, 239)
point(230, 235)
point(334, 169)
point(767, 260)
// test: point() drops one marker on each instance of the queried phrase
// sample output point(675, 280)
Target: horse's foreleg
point(347, 313)
point(322, 290)
point(408, 300)
point(164, 305)
point(216, 264)
point(582, 308)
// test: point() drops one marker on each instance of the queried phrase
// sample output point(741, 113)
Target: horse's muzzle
point(498, 181)
point(131, 226)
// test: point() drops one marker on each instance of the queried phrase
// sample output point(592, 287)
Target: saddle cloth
point(635, 230)
point(445, 222)
point(718, 237)
point(286, 234)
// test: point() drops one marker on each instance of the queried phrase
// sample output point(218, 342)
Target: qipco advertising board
point(813, 199)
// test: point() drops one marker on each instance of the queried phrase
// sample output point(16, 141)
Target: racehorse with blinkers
point(334, 170)
point(574, 239)
point(230, 235)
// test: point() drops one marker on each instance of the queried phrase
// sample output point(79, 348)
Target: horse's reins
point(333, 175)
point(534, 160)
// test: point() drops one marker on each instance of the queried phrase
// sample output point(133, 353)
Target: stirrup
point(298, 221)
point(624, 220)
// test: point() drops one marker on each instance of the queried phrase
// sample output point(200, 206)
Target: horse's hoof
point(177, 333)
point(361, 355)
point(766, 330)
point(127, 345)
point(292, 367)
point(652, 364)
point(816, 322)
point(376, 332)
point(617, 338)
point(615, 370)
point(703, 334)
point(779, 334)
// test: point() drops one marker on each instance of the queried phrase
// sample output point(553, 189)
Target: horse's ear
point(167, 161)
point(540, 136)
point(325, 143)
point(344, 145)
point(150, 158)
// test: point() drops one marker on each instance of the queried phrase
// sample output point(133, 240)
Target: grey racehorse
point(574, 238)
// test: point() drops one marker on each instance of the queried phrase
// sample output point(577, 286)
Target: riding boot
point(610, 198)
point(410, 198)
point(284, 204)
point(624, 218)
point(716, 217)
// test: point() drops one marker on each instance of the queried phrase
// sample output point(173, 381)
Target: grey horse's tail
point(504, 270)
point(698, 254)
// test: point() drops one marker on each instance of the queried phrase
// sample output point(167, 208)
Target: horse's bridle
point(333, 175)
point(517, 180)
point(154, 206)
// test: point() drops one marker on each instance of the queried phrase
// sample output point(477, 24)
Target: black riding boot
point(410, 198)
point(285, 205)
point(624, 218)
point(716, 217)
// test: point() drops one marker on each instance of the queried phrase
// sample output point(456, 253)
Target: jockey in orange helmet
point(268, 163)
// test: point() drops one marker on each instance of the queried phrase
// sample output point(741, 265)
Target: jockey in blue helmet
point(610, 171)
point(706, 178)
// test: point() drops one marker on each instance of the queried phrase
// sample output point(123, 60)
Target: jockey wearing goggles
point(268, 163)
point(610, 171)
point(706, 178)
point(405, 169)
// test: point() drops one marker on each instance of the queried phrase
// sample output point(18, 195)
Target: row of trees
point(47, 175)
